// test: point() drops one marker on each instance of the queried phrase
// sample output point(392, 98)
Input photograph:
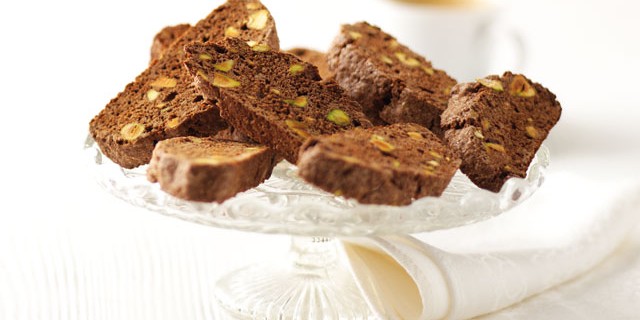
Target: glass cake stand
point(313, 284)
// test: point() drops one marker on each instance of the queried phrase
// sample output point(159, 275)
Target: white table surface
point(68, 250)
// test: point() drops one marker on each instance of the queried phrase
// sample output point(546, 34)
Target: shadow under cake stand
point(314, 283)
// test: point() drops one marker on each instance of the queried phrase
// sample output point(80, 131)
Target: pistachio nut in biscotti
point(389, 165)
point(391, 82)
point(162, 102)
point(497, 124)
point(272, 97)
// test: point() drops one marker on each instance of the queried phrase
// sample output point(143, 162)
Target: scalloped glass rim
point(286, 204)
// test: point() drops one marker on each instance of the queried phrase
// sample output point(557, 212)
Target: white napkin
point(566, 230)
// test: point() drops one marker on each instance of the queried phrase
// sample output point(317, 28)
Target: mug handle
point(519, 47)
point(510, 45)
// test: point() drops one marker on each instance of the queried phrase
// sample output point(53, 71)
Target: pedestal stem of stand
point(313, 255)
point(312, 285)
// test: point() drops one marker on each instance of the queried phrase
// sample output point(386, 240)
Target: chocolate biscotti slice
point(497, 124)
point(392, 83)
point(209, 169)
point(316, 58)
point(163, 102)
point(165, 38)
point(382, 165)
point(273, 97)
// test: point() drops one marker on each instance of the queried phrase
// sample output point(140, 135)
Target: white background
point(61, 62)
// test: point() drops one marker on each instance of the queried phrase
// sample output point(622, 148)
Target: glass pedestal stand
point(312, 284)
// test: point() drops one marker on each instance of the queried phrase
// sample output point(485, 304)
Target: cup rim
point(481, 6)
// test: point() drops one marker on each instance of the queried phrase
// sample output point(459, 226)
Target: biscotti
point(273, 97)
point(497, 124)
point(316, 58)
point(392, 83)
point(382, 165)
point(208, 169)
point(165, 38)
point(163, 102)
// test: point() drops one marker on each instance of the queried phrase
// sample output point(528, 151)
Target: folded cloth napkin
point(562, 232)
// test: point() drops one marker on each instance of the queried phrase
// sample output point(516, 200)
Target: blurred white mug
point(466, 38)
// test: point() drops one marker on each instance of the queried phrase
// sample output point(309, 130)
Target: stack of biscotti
point(392, 83)
point(225, 79)
point(162, 102)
